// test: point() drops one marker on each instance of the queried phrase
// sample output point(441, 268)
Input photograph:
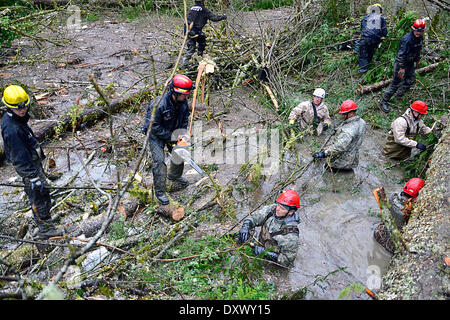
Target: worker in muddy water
point(197, 18)
point(373, 31)
point(400, 208)
point(313, 112)
point(343, 150)
point(404, 131)
point(24, 152)
point(278, 239)
point(169, 125)
point(407, 59)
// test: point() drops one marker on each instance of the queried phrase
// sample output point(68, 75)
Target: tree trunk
point(385, 83)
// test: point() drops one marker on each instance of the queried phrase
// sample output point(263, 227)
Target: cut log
point(379, 85)
point(173, 210)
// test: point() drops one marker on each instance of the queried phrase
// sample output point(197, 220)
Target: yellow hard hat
point(372, 7)
point(15, 97)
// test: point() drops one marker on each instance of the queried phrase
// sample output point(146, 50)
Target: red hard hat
point(347, 106)
point(413, 186)
point(289, 198)
point(419, 106)
point(182, 84)
point(418, 25)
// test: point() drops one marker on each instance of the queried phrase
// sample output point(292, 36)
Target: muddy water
point(338, 215)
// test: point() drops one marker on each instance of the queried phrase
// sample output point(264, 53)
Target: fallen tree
point(422, 273)
point(380, 85)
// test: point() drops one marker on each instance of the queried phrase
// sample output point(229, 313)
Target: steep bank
point(422, 274)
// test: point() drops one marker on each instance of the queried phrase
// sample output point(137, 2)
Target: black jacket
point(20, 145)
point(373, 26)
point(200, 16)
point(168, 117)
point(408, 50)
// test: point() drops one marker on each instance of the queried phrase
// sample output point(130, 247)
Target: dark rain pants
point(398, 85)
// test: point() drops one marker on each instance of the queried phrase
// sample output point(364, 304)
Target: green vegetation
point(209, 268)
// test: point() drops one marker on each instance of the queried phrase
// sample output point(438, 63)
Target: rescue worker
point(407, 59)
point(24, 152)
point(400, 208)
point(169, 125)
point(315, 112)
point(344, 148)
point(198, 16)
point(404, 130)
point(279, 232)
point(373, 31)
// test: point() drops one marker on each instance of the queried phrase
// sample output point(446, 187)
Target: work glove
point(257, 250)
point(319, 155)
point(417, 64)
point(244, 233)
point(421, 146)
point(324, 126)
point(224, 17)
point(401, 73)
point(37, 184)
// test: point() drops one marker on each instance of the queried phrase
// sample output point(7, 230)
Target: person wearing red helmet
point(408, 54)
point(169, 124)
point(400, 208)
point(279, 232)
point(344, 149)
point(404, 131)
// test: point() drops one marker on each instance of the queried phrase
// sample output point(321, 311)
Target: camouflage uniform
point(277, 235)
point(303, 114)
point(344, 150)
point(400, 139)
point(400, 214)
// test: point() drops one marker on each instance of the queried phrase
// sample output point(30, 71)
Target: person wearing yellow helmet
point(24, 152)
point(373, 31)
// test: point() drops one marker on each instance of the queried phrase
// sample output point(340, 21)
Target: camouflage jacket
point(344, 149)
point(303, 114)
point(287, 243)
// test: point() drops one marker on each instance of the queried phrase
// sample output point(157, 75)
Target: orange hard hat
point(419, 25)
point(182, 84)
point(347, 106)
point(419, 106)
point(413, 186)
point(289, 198)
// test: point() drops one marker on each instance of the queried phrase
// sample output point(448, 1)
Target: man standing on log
point(373, 31)
point(408, 54)
point(313, 112)
point(344, 149)
point(197, 18)
point(24, 152)
point(404, 130)
point(169, 125)
point(279, 231)
point(400, 209)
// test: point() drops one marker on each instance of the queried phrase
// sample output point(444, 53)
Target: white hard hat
point(319, 92)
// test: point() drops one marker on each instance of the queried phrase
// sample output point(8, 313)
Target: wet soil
point(338, 211)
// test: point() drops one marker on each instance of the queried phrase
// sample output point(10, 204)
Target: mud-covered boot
point(48, 230)
point(174, 175)
point(384, 106)
point(159, 181)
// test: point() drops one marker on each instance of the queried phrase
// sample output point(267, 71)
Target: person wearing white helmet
point(313, 112)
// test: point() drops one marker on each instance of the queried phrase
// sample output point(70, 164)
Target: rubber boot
point(159, 181)
point(384, 106)
point(47, 229)
point(174, 175)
